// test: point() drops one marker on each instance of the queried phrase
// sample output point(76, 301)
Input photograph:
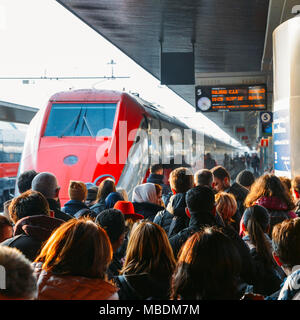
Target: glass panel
point(70, 119)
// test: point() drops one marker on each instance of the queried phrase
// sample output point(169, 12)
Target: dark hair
point(113, 222)
point(245, 178)
point(105, 188)
point(24, 180)
point(257, 222)
point(78, 248)
point(203, 177)
point(149, 251)
point(208, 267)
point(200, 198)
point(156, 167)
point(286, 182)
point(266, 186)
point(4, 223)
point(220, 173)
point(181, 180)
point(29, 203)
point(286, 242)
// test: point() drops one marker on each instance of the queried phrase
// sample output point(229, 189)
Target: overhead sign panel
point(231, 98)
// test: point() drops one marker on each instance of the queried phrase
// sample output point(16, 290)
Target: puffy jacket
point(73, 206)
point(67, 287)
point(196, 222)
point(31, 232)
point(175, 210)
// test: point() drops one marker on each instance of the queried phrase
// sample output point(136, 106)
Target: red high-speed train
point(89, 134)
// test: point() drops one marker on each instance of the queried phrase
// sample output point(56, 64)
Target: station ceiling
point(232, 42)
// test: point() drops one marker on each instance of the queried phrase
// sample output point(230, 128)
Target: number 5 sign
point(266, 117)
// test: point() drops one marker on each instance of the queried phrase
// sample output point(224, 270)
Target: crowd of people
point(203, 236)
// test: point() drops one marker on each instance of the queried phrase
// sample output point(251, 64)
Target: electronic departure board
point(231, 98)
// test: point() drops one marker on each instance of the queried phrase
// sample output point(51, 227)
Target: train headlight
point(70, 160)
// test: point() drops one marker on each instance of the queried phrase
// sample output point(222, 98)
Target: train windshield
point(92, 119)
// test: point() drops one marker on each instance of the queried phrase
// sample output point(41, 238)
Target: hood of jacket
point(38, 227)
point(67, 287)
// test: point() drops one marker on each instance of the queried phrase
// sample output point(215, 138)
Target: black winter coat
point(174, 214)
point(240, 193)
point(30, 233)
point(268, 278)
point(142, 286)
point(73, 206)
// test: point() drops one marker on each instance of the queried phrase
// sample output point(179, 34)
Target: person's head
point(105, 188)
point(19, 282)
point(226, 206)
point(79, 248)
point(221, 178)
point(113, 222)
point(127, 208)
point(203, 177)
point(25, 179)
point(149, 251)
point(46, 184)
point(112, 199)
point(246, 178)
point(123, 193)
point(181, 180)
point(208, 267)
point(295, 187)
point(286, 244)
point(268, 185)
point(29, 203)
point(200, 199)
point(92, 191)
point(157, 169)
point(256, 224)
point(77, 190)
point(6, 228)
point(145, 192)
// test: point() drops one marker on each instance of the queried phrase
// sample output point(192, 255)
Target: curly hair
point(269, 185)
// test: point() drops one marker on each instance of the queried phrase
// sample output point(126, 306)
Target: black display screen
point(231, 98)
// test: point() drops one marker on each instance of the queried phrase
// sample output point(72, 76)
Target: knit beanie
point(77, 190)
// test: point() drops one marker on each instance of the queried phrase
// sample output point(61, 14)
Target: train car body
point(11, 146)
point(89, 135)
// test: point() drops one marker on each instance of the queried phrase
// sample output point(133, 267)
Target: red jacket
point(66, 287)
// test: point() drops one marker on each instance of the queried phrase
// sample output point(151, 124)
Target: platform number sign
point(266, 117)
